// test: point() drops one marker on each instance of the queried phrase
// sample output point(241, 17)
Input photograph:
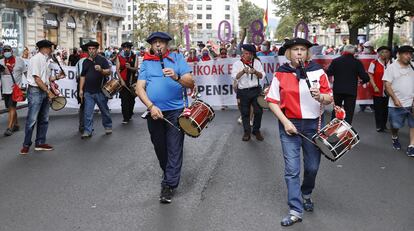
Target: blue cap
point(249, 47)
point(160, 35)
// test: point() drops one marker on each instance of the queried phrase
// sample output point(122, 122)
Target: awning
point(51, 21)
point(71, 24)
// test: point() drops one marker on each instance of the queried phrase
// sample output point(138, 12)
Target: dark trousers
point(127, 103)
point(348, 102)
point(81, 115)
point(168, 144)
point(248, 97)
point(381, 111)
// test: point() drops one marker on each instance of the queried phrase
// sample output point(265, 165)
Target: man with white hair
point(346, 69)
point(399, 81)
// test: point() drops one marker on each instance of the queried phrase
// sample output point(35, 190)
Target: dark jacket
point(346, 70)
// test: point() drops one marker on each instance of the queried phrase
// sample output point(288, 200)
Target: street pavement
point(111, 182)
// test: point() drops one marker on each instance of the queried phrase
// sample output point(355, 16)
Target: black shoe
point(166, 194)
point(308, 205)
point(258, 135)
point(246, 136)
point(8, 132)
point(16, 128)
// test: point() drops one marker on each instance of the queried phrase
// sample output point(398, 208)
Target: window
point(199, 16)
point(208, 25)
point(135, 7)
point(129, 8)
point(123, 27)
point(208, 16)
point(208, 7)
point(227, 17)
point(209, 35)
point(190, 7)
point(129, 17)
point(199, 7)
point(199, 26)
point(129, 26)
point(227, 7)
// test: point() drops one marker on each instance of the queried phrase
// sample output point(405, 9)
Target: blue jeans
point(291, 146)
point(168, 144)
point(398, 116)
point(90, 99)
point(38, 113)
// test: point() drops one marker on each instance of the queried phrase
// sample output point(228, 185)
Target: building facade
point(205, 17)
point(68, 23)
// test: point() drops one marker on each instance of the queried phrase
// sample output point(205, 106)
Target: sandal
point(290, 220)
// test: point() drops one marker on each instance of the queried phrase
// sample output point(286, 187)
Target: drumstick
point(171, 124)
point(306, 138)
point(55, 59)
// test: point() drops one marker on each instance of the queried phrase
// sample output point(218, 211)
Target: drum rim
point(192, 122)
point(53, 100)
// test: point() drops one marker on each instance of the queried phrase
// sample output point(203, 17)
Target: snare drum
point(195, 118)
point(111, 87)
point(336, 139)
point(261, 98)
point(58, 103)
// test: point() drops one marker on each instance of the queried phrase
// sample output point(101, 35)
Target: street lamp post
point(168, 16)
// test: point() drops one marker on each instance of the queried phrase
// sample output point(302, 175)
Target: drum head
point(188, 127)
point(58, 103)
point(325, 148)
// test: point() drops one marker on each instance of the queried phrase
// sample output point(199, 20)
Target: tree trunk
point(391, 24)
point(353, 34)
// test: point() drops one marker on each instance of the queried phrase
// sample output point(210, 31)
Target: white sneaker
point(239, 120)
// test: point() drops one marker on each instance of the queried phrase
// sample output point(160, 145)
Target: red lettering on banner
point(199, 71)
point(206, 70)
point(229, 68)
point(269, 67)
point(214, 70)
point(221, 70)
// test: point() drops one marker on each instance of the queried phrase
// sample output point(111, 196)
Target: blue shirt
point(164, 92)
point(260, 53)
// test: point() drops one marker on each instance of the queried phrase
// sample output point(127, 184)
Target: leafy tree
point(383, 40)
point(392, 13)
point(148, 20)
point(356, 13)
point(249, 12)
point(179, 17)
point(286, 27)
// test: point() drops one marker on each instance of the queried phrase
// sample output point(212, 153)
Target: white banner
point(213, 80)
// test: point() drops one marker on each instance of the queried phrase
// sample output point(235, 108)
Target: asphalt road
point(111, 182)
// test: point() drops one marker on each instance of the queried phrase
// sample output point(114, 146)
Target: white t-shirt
point(246, 81)
point(39, 65)
point(6, 79)
point(402, 83)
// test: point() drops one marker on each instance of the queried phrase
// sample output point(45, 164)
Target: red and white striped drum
point(336, 139)
point(195, 118)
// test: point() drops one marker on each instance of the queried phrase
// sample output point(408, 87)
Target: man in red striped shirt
point(376, 71)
